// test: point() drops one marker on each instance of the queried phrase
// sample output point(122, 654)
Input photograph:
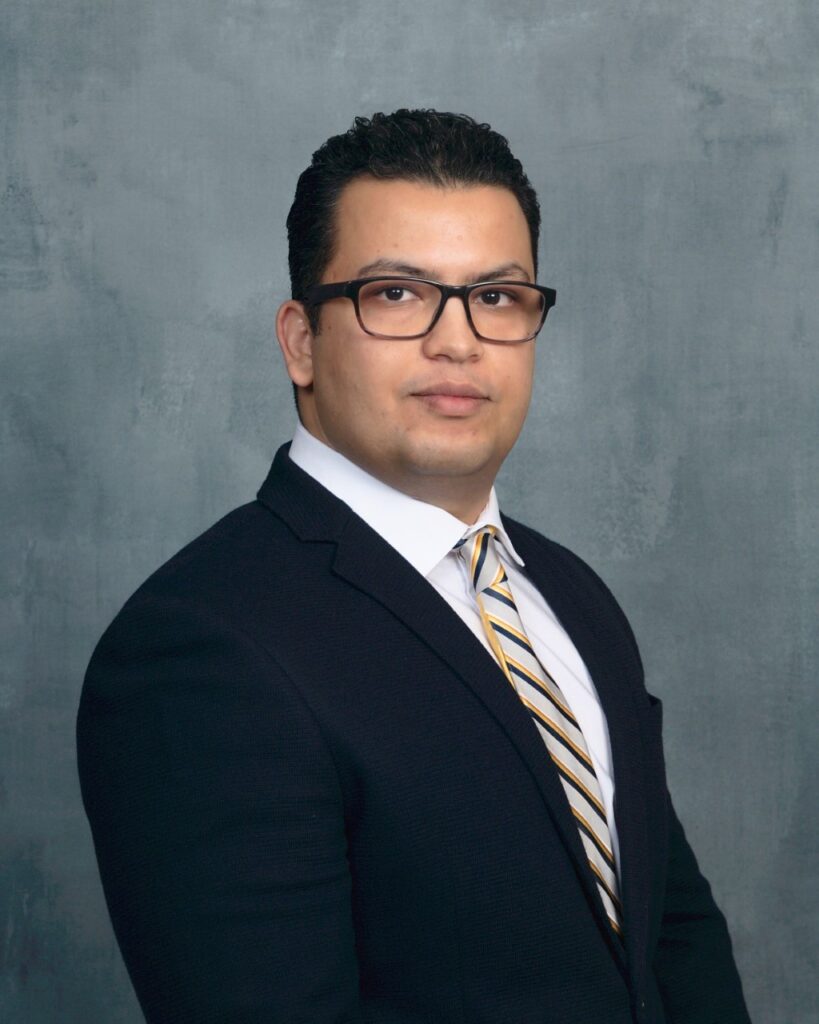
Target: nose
point(452, 337)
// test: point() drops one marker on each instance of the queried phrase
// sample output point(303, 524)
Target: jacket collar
point(309, 509)
point(422, 533)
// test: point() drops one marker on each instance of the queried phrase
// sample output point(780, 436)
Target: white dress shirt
point(425, 536)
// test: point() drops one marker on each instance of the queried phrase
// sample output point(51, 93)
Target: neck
point(464, 500)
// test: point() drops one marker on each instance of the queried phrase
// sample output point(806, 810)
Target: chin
point(449, 461)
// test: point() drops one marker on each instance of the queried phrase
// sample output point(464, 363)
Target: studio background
point(150, 153)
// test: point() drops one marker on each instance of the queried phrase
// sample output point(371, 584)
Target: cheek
point(516, 377)
point(357, 382)
point(525, 382)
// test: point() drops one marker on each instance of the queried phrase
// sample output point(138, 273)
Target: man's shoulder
point(218, 572)
point(545, 557)
point(557, 555)
point(225, 553)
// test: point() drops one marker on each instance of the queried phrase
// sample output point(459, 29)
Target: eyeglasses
point(396, 308)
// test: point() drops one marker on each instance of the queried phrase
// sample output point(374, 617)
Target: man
point(367, 750)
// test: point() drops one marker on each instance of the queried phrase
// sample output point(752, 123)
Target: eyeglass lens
point(403, 309)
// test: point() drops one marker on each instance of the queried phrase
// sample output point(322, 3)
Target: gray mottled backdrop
point(150, 152)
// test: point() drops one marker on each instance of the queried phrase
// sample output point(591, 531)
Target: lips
point(451, 389)
point(451, 398)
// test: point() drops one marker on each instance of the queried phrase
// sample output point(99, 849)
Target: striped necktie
point(548, 707)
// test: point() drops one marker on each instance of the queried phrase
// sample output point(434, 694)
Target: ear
point(296, 342)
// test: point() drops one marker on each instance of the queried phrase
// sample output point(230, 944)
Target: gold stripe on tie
point(549, 709)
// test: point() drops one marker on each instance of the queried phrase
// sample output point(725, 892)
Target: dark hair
point(414, 145)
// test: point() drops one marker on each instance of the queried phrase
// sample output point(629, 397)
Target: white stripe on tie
point(549, 709)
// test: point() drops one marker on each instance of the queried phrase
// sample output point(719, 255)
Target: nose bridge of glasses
point(459, 292)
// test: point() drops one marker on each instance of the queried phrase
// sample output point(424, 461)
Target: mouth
point(451, 398)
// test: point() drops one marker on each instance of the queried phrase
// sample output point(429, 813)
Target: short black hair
point(412, 145)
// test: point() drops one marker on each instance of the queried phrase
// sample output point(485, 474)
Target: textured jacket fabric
point(315, 798)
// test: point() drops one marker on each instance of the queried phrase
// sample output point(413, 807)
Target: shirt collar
point(422, 533)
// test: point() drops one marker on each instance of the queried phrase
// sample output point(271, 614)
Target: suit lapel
point(617, 695)
point(371, 565)
point(390, 580)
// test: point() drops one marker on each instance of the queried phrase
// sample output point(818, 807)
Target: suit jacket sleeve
point(693, 963)
point(217, 819)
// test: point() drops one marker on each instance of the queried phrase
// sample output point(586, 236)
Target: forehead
point(460, 230)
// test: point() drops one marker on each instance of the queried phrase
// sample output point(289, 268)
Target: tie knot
point(478, 552)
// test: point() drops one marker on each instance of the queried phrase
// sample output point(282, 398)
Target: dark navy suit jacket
point(315, 798)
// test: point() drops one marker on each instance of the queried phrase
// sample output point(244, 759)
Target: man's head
point(425, 146)
point(428, 195)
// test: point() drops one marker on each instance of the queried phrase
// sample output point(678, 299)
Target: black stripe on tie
point(484, 544)
point(515, 639)
point(601, 884)
point(536, 684)
point(500, 597)
point(603, 853)
point(578, 787)
point(574, 751)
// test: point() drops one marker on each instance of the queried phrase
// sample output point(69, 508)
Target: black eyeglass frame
point(320, 293)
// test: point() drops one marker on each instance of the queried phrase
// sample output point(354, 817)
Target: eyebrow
point(499, 273)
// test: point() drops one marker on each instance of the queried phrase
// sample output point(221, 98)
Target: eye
point(495, 297)
point(393, 292)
